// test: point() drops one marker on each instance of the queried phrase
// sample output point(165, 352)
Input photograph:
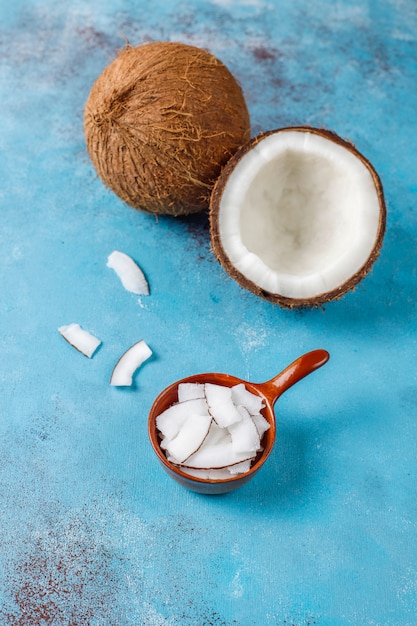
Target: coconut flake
point(241, 396)
point(207, 474)
point(190, 391)
point(171, 420)
point(216, 456)
point(216, 435)
point(130, 274)
point(262, 424)
point(189, 438)
point(244, 434)
point(240, 468)
point(80, 339)
point(222, 408)
point(128, 363)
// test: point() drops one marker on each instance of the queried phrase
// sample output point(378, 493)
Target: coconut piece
point(171, 420)
point(262, 424)
point(80, 339)
point(191, 435)
point(240, 468)
point(221, 406)
point(190, 391)
point(128, 363)
point(129, 272)
point(197, 473)
point(160, 122)
point(241, 396)
point(216, 435)
point(216, 456)
point(244, 434)
point(207, 474)
point(298, 216)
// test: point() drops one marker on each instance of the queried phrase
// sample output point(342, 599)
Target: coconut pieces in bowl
point(213, 432)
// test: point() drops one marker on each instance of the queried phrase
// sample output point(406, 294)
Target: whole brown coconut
point(160, 122)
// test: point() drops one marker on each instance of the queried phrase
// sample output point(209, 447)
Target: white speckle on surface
point(141, 304)
point(250, 338)
point(154, 618)
point(258, 4)
point(237, 587)
point(17, 253)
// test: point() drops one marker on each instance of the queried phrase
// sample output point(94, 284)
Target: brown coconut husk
point(160, 123)
point(283, 301)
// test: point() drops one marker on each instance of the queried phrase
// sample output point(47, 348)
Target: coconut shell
point(276, 298)
point(160, 122)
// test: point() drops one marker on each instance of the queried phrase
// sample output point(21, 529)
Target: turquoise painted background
point(92, 530)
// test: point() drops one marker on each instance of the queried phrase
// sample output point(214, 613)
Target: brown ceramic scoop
point(269, 391)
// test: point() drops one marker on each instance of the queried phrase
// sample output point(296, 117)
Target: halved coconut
point(298, 216)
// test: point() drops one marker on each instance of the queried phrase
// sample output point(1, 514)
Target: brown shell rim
point(223, 258)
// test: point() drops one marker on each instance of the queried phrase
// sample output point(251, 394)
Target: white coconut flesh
point(299, 214)
point(80, 339)
point(129, 273)
point(213, 431)
point(129, 362)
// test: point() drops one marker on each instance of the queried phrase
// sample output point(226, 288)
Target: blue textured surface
point(92, 531)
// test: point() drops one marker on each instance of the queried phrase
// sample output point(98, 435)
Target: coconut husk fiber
point(160, 123)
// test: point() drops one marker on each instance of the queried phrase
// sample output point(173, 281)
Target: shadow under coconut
point(388, 291)
point(197, 226)
point(385, 299)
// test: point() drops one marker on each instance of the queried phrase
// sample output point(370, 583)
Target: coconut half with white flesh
point(298, 216)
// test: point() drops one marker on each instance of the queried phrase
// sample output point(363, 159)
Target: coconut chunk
point(170, 421)
point(190, 391)
point(262, 424)
point(244, 434)
point(207, 474)
point(128, 363)
point(129, 272)
point(241, 396)
point(240, 468)
point(216, 435)
point(197, 473)
point(191, 435)
point(220, 402)
point(217, 456)
point(80, 339)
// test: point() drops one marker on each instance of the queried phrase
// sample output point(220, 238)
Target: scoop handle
point(298, 369)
